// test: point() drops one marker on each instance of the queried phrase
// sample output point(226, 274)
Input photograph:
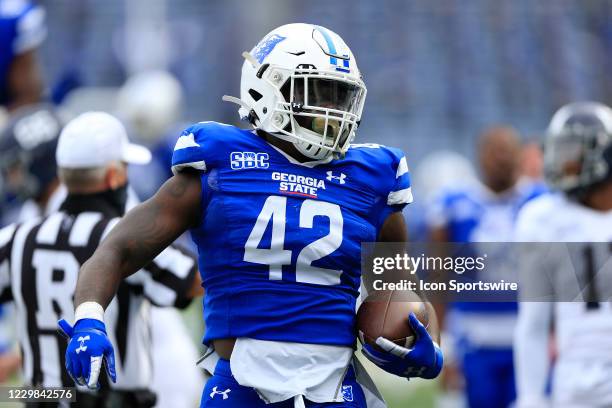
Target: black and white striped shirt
point(39, 265)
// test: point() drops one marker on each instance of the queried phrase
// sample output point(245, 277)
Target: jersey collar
point(309, 164)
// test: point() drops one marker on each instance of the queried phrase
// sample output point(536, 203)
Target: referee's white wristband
point(89, 310)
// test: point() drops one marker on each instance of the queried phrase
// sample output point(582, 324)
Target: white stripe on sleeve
point(81, 230)
point(6, 233)
point(175, 262)
point(185, 141)
point(198, 165)
point(161, 294)
point(47, 234)
point(400, 197)
point(402, 168)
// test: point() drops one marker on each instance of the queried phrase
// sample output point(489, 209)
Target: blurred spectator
point(27, 163)
point(532, 161)
point(436, 73)
point(22, 30)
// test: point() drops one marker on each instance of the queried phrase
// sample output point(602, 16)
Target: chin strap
point(251, 117)
point(237, 101)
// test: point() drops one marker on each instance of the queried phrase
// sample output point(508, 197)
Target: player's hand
point(88, 348)
point(423, 360)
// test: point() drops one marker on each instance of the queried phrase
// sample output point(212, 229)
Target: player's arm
point(425, 358)
point(531, 353)
point(437, 222)
point(394, 229)
point(537, 261)
point(139, 237)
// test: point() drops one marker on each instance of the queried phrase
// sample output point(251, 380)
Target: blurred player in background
point(578, 163)
point(40, 260)
point(27, 163)
point(30, 189)
point(150, 103)
point(22, 30)
point(278, 213)
point(484, 212)
point(532, 163)
point(436, 172)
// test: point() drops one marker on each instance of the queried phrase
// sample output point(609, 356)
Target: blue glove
point(88, 347)
point(423, 360)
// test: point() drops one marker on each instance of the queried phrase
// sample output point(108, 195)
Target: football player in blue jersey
point(485, 212)
point(278, 213)
point(22, 30)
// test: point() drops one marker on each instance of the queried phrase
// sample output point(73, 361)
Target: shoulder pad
point(200, 145)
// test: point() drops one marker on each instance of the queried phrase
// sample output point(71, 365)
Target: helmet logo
point(297, 107)
point(342, 64)
point(265, 46)
point(305, 66)
point(337, 59)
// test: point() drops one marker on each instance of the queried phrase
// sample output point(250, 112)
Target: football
point(385, 313)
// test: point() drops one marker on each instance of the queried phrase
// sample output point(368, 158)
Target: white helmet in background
point(301, 83)
point(150, 102)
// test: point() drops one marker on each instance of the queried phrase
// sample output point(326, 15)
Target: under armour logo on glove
point(82, 347)
point(415, 372)
point(224, 393)
point(340, 179)
point(84, 362)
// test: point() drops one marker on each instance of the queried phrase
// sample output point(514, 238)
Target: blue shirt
point(475, 214)
point(21, 29)
point(280, 242)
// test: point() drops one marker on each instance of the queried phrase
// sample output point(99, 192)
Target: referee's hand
point(88, 348)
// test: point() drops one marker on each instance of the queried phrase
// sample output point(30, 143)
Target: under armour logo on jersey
point(82, 347)
point(249, 160)
point(415, 372)
point(224, 393)
point(340, 179)
point(347, 393)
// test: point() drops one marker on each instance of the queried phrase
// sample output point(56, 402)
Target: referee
point(40, 261)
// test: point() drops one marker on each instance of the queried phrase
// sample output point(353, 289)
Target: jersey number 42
point(275, 210)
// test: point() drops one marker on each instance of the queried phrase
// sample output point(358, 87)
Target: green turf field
point(401, 393)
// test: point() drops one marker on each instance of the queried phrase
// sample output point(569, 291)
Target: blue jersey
point(280, 242)
point(475, 214)
point(21, 29)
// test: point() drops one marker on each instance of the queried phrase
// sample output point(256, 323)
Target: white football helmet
point(301, 83)
point(150, 102)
